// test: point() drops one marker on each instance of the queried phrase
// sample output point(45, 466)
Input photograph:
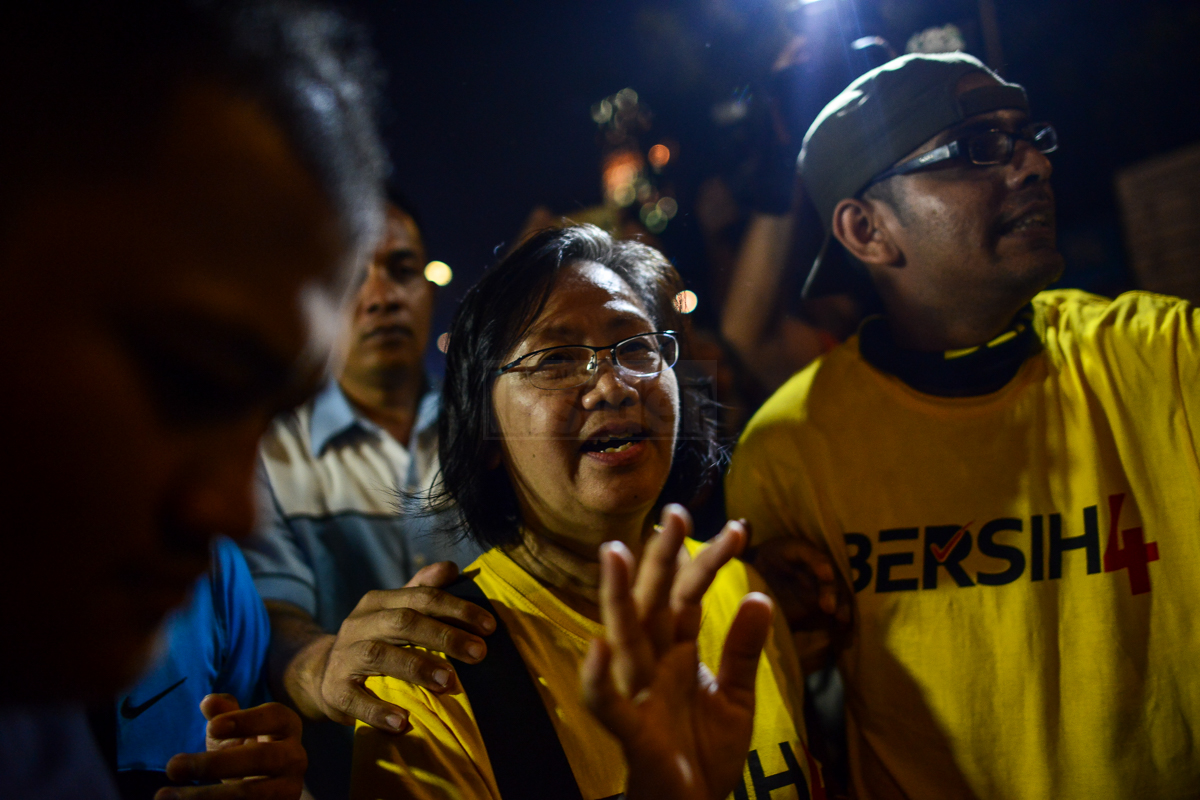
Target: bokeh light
point(438, 272)
point(623, 177)
point(654, 220)
point(668, 207)
point(686, 301)
point(602, 112)
point(443, 342)
point(659, 155)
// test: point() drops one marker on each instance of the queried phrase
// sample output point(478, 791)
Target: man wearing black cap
point(1004, 477)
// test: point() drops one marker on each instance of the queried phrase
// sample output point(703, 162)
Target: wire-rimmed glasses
point(572, 365)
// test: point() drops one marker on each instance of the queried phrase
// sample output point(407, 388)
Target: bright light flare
point(686, 301)
point(438, 272)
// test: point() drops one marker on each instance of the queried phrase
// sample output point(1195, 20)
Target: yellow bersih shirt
point(1026, 564)
point(443, 757)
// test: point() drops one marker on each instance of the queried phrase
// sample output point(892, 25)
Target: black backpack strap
point(527, 758)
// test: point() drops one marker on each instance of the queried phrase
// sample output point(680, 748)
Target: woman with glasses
point(566, 438)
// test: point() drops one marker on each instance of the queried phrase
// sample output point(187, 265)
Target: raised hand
point(685, 733)
point(327, 678)
point(252, 754)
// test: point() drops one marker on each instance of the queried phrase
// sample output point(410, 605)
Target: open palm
point(684, 731)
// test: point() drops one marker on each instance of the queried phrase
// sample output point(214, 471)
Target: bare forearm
point(323, 676)
point(757, 277)
point(299, 651)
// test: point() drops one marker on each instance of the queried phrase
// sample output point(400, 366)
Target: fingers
point(407, 664)
point(805, 579)
point(695, 577)
point(437, 575)
point(269, 719)
point(347, 701)
point(408, 626)
point(272, 759)
point(655, 575)
point(600, 695)
point(431, 602)
point(213, 705)
point(796, 552)
point(632, 653)
point(743, 647)
point(368, 644)
point(660, 558)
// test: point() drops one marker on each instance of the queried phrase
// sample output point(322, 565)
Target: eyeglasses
point(986, 148)
point(572, 365)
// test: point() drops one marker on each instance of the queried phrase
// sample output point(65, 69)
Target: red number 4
point(1128, 550)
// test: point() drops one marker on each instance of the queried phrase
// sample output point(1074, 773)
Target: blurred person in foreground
point(1005, 477)
point(336, 544)
point(564, 435)
point(183, 187)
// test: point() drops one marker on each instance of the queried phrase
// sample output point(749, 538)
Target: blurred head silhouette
point(183, 186)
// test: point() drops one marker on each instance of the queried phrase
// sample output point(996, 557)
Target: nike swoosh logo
point(940, 553)
point(130, 711)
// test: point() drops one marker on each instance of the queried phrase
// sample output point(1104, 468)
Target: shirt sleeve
point(245, 627)
point(766, 485)
point(1168, 326)
point(1187, 367)
point(441, 758)
point(278, 562)
point(1144, 349)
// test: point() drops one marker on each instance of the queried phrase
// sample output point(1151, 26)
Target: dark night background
point(488, 104)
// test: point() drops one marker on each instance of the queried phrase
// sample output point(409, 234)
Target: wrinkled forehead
point(588, 298)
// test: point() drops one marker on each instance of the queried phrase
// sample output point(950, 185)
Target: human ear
point(860, 227)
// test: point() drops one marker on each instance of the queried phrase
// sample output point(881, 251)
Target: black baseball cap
point(877, 120)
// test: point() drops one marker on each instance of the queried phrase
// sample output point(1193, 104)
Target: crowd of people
point(291, 565)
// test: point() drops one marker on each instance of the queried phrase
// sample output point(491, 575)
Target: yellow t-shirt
point(444, 757)
point(1026, 564)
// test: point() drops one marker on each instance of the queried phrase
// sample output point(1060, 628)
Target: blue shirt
point(217, 643)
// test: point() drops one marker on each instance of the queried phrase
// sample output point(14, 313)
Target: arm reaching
point(323, 674)
point(812, 595)
point(804, 579)
point(685, 733)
